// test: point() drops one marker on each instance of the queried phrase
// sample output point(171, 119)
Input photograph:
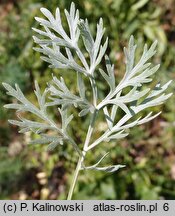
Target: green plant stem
point(75, 177)
point(94, 89)
point(81, 158)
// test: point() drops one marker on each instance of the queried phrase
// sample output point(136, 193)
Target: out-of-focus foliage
point(28, 172)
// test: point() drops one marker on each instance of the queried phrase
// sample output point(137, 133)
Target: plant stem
point(81, 159)
point(94, 89)
point(75, 177)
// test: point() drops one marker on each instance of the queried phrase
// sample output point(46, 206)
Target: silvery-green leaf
point(52, 26)
point(159, 89)
point(43, 33)
point(151, 102)
point(43, 22)
point(99, 35)
point(47, 60)
point(65, 119)
point(130, 125)
point(69, 55)
point(52, 23)
point(118, 135)
point(110, 70)
point(112, 168)
point(120, 104)
point(52, 141)
point(44, 129)
point(106, 77)
point(72, 19)
point(142, 63)
point(25, 105)
point(63, 96)
point(57, 16)
point(14, 122)
point(148, 118)
point(68, 120)
point(101, 52)
point(53, 145)
point(113, 112)
point(109, 169)
point(40, 97)
point(14, 106)
point(130, 55)
point(149, 71)
point(139, 81)
point(49, 42)
point(24, 130)
point(54, 91)
point(108, 118)
point(83, 112)
point(95, 165)
point(48, 14)
point(135, 95)
point(86, 34)
point(156, 101)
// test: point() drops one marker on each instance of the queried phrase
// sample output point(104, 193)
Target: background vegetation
point(29, 172)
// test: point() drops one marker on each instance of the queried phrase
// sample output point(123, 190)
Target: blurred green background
point(30, 172)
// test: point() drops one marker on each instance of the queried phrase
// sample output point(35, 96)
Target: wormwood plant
point(62, 50)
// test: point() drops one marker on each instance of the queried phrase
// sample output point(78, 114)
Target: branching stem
point(78, 167)
point(81, 158)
